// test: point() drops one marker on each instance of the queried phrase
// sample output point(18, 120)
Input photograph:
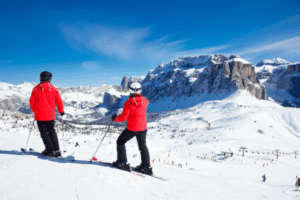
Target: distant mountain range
point(182, 83)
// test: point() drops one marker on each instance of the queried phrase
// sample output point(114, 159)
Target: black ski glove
point(61, 114)
point(113, 117)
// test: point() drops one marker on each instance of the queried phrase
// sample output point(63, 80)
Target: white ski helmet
point(135, 88)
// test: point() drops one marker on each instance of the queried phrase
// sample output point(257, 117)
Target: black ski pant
point(127, 135)
point(48, 135)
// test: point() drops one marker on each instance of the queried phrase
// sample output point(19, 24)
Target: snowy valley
point(200, 107)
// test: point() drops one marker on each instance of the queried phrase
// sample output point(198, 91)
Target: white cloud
point(128, 43)
point(90, 65)
point(133, 44)
point(286, 46)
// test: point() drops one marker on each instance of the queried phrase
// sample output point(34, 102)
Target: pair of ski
point(135, 172)
point(33, 152)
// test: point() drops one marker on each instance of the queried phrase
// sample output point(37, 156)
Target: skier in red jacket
point(134, 111)
point(42, 102)
point(297, 184)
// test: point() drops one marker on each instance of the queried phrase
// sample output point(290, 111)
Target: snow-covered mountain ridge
point(265, 68)
point(187, 81)
point(179, 84)
point(82, 104)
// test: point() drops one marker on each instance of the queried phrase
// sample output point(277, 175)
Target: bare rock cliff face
point(125, 83)
point(294, 87)
point(110, 101)
point(264, 69)
point(288, 79)
point(229, 77)
point(212, 77)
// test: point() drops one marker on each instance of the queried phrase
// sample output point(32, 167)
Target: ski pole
point(63, 134)
point(101, 141)
point(29, 135)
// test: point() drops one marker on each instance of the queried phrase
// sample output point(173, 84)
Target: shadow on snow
point(67, 159)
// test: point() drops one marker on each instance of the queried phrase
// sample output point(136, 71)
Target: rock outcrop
point(287, 79)
point(211, 74)
point(14, 103)
point(125, 83)
point(229, 77)
point(273, 62)
point(111, 101)
point(283, 85)
point(264, 69)
point(294, 85)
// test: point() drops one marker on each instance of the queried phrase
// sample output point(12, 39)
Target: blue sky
point(91, 43)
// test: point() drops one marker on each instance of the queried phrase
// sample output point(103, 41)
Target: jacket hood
point(137, 100)
point(45, 86)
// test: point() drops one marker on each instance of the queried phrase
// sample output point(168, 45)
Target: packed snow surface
point(192, 137)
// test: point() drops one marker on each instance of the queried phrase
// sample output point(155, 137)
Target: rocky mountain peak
point(201, 75)
point(234, 56)
point(283, 85)
point(125, 83)
point(266, 68)
point(273, 62)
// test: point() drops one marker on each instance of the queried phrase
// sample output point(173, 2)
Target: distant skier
point(297, 184)
point(77, 145)
point(135, 111)
point(42, 102)
point(264, 178)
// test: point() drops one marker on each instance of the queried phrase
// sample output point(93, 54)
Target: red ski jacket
point(42, 101)
point(135, 109)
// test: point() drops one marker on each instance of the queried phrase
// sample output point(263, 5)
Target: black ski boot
point(48, 153)
point(44, 153)
point(57, 154)
point(144, 170)
point(121, 165)
point(51, 154)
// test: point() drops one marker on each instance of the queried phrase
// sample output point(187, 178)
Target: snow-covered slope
point(193, 137)
point(8, 90)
